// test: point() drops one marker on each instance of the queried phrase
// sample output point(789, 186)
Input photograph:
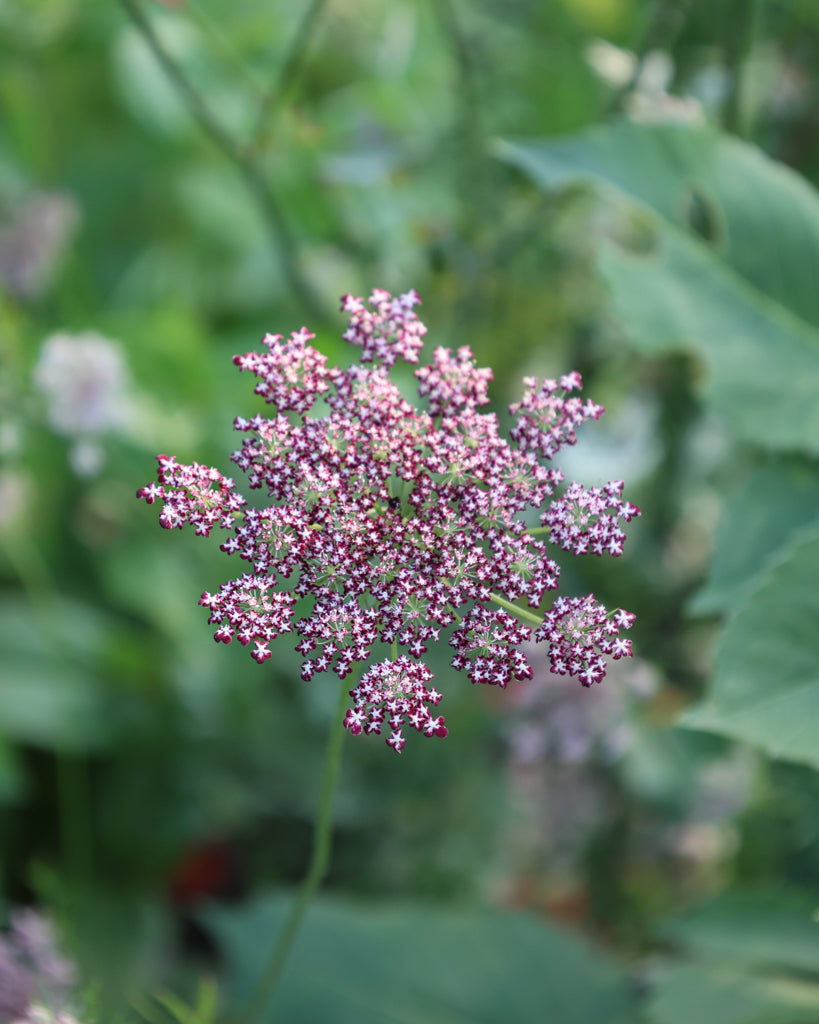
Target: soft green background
point(157, 791)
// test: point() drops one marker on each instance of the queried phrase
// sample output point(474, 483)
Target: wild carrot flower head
point(387, 528)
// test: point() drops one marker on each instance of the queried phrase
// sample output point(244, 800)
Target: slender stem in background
point(277, 93)
point(71, 770)
point(317, 869)
point(664, 25)
point(739, 33)
point(282, 238)
point(472, 172)
point(213, 30)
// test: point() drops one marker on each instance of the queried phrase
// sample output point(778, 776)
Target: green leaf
point(759, 521)
point(729, 995)
point(763, 217)
point(726, 271)
point(404, 964)
point(765, 686)
point(766, 928)
point(763, 362)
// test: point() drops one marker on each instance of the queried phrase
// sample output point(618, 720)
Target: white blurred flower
point(34, 240)
point(37, 1014)
point(648, 99)
point(612, 65)
point(85, 380)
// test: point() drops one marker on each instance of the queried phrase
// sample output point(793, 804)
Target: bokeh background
point(614, 186)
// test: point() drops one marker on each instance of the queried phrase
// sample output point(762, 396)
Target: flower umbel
point(386, 524)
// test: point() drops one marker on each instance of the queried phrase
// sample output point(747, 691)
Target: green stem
point(739, 35)
point(317, 869)
point(275, 96)
point(522, 613)
point(536, 530)
point(282, 238)
point(665, 23)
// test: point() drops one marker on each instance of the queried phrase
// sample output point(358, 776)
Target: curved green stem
point(522, 613)
point(288, 74)
point(282, 238)
point(317, 869)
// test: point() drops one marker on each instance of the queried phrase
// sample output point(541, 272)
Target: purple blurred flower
point(31, 967)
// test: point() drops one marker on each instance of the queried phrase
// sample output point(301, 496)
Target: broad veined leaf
point(763, 363)
point(771, 928)
point(759, 521)
point(765, 685)
point(720, 994)
point(759, 216)
point(402, 964)
point(726, 268)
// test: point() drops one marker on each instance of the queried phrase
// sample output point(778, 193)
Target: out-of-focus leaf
point(770, 928)
point(765, 686)
point(50, 695)
point(405, 964)
point(734, 282)
point(759, 521)
point(763, 362)
point(758, 215)
point(729, 995)
point(51, 705)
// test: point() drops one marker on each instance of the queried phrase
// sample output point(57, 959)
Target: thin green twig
point(282, 238)
point(522, 613)
point(665, 23)
point(272, 100)
point(319, 862)
point(739, 34)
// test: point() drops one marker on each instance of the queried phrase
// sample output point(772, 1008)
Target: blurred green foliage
point(558, 204)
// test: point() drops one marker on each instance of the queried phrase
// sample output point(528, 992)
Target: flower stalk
point(316, 872)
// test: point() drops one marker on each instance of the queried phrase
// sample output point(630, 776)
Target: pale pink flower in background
point(85, 382)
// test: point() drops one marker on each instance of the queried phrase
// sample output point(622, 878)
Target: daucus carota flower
point(387, 528)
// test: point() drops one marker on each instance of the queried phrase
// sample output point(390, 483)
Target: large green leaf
point(763, 362)
point(765, 686)
point(756, 959)
point(744, 300)
point(762, 217)
point(769, 928)
point(719, 994)
point(401, 964)
point(50, 692)
point(760, 520)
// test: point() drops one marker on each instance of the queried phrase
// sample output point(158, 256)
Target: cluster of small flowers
point(587, 519)
point(580, 632)
point(388, 330)
point(398, 689)
point(546, 419)
point(398, 523)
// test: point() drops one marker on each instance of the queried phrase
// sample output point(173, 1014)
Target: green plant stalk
point(282, 238)
point(278, 92)
point(522, 613)
point(319, 862)
point(666, 21)
point(739, 31)
point(71, 769)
